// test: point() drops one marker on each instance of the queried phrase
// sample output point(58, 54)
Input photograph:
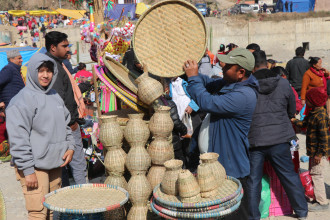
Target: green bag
point(265, 197)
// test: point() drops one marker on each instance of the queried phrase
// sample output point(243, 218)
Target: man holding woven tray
point(231, 102)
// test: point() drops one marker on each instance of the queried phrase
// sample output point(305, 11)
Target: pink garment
point(299, 105)
point(83, 74)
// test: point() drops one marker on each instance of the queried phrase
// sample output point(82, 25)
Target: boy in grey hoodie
point(40, 140)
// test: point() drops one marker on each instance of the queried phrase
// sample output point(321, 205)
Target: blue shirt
point(231, 107)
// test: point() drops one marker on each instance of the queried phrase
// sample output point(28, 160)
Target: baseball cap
point(239, 56)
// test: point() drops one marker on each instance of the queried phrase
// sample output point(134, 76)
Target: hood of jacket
point(268, 80)
point(32, 81)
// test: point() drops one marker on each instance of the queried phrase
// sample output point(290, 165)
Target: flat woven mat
point(230, 188)
point(2, 207)
point(86, 198)
point(167, 34)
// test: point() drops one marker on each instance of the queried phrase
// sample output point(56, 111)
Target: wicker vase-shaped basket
point(160, 151)
point(161, 124)
point(138, 159)
point(206, 179)
point(149, 89)
point(188, 185)
point(110, 132)
point(156, 175)
point(139, 188)
point(136, 131)
point(138, 212)
point(217, 169)
point(170, 184)
point(115, 159)
point(116, 180)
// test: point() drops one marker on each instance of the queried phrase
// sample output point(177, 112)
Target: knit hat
point(317, 96)
point(12, 54)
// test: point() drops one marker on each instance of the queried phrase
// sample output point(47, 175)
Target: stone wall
point(277, 38)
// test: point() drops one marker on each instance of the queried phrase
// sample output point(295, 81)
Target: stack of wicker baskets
point(211, 194)
point(138, 161)
point(111, 136)
point(160, 149)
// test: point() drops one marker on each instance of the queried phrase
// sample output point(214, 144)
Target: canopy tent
point(140, 8)
point(26, 52)
point(129, 11)
point(42, 12)
point(17, 13)
point(76, 14)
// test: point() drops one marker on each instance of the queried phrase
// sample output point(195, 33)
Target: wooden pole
point(78, 53)
point(98, 12)
point(96, 94)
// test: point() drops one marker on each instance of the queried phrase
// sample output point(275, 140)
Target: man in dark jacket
point(269, 137)
point(57, 46)
point(231, 102)
point(297, 68)
point(11, 81)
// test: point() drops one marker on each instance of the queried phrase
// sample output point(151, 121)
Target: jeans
point(280, 158)
point(78, 164)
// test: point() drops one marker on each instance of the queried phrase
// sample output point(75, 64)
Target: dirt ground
point(16, 208)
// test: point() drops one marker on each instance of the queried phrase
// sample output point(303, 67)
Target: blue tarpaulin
point(129, 11)
point(297, 5)
point(26, 53)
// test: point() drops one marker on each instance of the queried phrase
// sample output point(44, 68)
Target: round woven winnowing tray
point(121, 73)
point(86, 198)
point(230, 188)
point(167, 34)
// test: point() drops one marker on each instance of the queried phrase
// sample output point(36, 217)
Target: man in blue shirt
point(231, 102)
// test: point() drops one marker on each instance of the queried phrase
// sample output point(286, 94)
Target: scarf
point(77, 94)
point(320, 73)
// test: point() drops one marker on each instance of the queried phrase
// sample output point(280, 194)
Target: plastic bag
point(307, 183)
point(265, 197)
point(186, 120)
point(203, 136)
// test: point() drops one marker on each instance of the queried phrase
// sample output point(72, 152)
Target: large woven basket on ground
point(167, 34)
point(86, 198)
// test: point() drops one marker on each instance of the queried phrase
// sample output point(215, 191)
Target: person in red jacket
point(4, 146)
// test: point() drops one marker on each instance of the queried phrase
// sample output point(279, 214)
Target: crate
point(280, 204)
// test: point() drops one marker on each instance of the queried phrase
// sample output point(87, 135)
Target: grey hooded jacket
point(36, 121)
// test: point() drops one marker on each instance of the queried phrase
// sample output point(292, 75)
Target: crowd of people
point(37, 26)
point(246, 103)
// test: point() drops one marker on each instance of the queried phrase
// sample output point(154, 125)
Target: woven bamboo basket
point(139, 189)
point(161, 124)
point(188, 185)
point(121, 73)
point(115, 159)
point(160, 151)
point(86, 198)
point(138, 212)
point(170, 184)
point(209, 194)
point(110, 132)
point(116, 180)
point(206, 179)
point(217, 169)
point(136, 131)
point(168, 34)
point(192, 199)
point(138, 159)
point(149, 89)
point(156, 175)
